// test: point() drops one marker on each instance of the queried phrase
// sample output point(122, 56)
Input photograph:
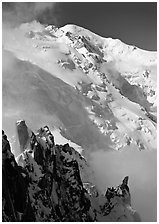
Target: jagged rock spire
point(23, 134)
point(45, 184)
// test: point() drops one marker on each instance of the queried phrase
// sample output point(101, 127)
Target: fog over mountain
point(96, 93)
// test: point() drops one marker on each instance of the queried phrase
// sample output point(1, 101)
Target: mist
point(141, 167)
point(16, 13)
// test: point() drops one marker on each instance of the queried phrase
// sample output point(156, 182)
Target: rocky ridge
point(44, 184)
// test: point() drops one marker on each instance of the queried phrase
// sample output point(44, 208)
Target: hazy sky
point(132, 22)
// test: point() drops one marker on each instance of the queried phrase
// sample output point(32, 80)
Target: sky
point(133, 23)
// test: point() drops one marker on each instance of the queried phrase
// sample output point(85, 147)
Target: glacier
point(96, 93)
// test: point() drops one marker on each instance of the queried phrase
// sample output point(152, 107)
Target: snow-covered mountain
point(93, 92)
point(100, 91)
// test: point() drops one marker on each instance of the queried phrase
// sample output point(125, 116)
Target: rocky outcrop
point(44, 184)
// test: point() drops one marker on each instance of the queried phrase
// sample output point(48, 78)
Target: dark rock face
point(22, 134)
point(45, 183)
point(14, 185)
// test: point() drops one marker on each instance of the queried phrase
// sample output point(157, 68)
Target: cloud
point(15, 13)
point(41, 6)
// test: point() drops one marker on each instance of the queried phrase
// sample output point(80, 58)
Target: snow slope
point(100, 91)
